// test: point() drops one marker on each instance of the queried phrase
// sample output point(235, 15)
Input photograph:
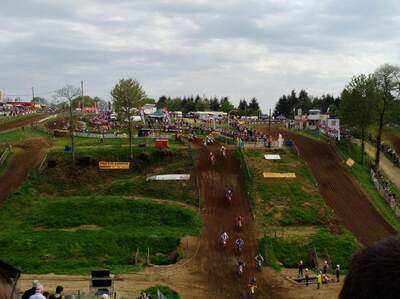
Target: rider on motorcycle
point(259, 261)
point(224, 238)
point(239, 243)
point(223, 151)
point(252, 286)
point(212, 157)
point(241, 265)
point(229, 195)
point(239, 222)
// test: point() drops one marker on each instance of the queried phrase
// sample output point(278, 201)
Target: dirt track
point(217, 263)
point(25, 155)
point(341, 191)
point(21, 122)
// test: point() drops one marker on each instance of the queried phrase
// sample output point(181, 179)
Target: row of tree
point(288, 105)
point(372, 101)
point(188, 104)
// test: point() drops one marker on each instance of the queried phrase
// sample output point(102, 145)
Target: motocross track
point(345, 196)
point(218, 263)
point(22, 122)
point(26, 155)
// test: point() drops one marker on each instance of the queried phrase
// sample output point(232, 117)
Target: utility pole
point(33, 94)
point(269, 122)
point(83, 102)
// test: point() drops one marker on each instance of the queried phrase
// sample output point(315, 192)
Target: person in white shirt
point(39, 293)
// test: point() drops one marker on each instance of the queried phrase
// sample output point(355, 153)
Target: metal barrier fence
point(4, 156)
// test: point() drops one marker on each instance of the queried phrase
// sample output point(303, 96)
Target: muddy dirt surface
point(219, 264)
point(26, 155)
point(22, 122)
point(351, 205)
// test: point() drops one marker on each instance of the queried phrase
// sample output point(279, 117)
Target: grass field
point(63, 180)
point(69, 220)
point(292, 214)
point(73, 235)
point(9, 119)
point(362, 174)
point(19, 134)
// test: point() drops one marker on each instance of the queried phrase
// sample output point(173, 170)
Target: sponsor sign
point(114, 165)
point(279, 175)
point(170, 177)
point(350, 162)
point(272, 157)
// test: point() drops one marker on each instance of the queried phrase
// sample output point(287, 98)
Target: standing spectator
point(58, 294)
point(31, 291)
point(337, 273)
point(38, 294)
point(306, 276)
point(319, 279)
point(301, 267)
point(325, 267)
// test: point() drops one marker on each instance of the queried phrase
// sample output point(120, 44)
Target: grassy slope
point(38, 239)
point(10, 119)
point(16, 135)
point(293, 215)
point(362, 175)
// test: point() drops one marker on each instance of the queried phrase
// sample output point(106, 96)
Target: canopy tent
point(158, 114)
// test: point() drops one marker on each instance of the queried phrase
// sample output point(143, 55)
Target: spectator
point(319, 279)
point(337, 273)
point(301, 267)
point(39, 293)
point(374, 272)
point(306, 276)
point(58, 294)
point(325, 267)
point(31, 291)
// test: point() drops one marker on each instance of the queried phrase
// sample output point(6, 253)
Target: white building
point(149, 109)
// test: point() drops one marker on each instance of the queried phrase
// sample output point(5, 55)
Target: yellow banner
point(350, 162)
point(114, 165)
point(278, 175)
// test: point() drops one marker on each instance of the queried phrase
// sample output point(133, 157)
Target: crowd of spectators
point(383, 187)
point(391, 154)
point(37, 292)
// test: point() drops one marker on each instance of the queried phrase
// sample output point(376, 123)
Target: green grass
point(313, 134)
point(19, 134)
point(37, 240)
point(289, 251)
point(10, 119)
point(361, 173)
point(166, 291)
point(296, 208)
point(63, 180)
point(286, 202)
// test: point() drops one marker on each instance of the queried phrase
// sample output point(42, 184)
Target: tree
point(214, 104)
point(388, 84)
point(127, 95)
point(360, 93)
point(226, 105)
point(68, 93)
point(242, 107)
point(254, 107)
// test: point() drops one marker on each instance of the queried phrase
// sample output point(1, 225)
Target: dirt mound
point(25, 156)
point(341, 191)
point(218, 264)
point(22, 122)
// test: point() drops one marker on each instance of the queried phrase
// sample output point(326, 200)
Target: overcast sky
point(260, 48)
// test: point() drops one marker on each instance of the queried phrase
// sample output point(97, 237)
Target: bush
point(166, 291)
